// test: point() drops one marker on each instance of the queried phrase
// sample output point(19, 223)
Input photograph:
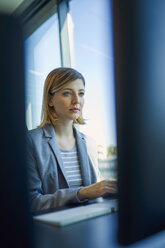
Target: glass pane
point(42, 53)
point(93, 57)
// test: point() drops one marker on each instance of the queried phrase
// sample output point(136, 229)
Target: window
point(93, 57)
point(86, 45)
point(42, 53)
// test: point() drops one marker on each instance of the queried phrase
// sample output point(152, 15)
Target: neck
point(64, 135)
point(64, 129)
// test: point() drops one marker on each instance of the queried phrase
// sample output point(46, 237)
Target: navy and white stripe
point(72, 167)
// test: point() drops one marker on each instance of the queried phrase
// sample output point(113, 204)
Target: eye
point(81, 94)
point(66, 93)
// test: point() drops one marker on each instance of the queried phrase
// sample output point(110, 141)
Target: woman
point(62, 162)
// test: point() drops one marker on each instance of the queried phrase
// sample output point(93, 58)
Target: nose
point(75, 98)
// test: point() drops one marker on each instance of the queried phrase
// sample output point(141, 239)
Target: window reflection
point(42, 50)
point(93, 56)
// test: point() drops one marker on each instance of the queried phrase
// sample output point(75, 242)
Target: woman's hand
point(98, 189)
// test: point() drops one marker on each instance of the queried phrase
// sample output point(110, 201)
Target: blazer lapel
point(83, 156)
point(50, 133)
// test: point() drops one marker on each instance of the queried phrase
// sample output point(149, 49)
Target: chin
point(75, 117)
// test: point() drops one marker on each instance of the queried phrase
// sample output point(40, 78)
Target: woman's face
point(69, 101)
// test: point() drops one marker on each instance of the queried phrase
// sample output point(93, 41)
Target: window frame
point(34, 13)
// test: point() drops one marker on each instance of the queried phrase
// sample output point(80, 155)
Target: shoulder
point(90, 143)
point(41, 135)
point(88, 139)
point(35, 131)
point(35, 135)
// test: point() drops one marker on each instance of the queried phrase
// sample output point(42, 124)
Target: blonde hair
point(54, 82)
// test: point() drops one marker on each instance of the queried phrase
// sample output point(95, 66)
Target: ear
point(50, 103)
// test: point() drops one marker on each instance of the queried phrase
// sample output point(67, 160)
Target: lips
point(75, 110)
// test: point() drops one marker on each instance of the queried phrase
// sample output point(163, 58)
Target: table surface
point(99, 232)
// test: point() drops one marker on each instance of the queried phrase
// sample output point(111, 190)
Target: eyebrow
point(72, 89)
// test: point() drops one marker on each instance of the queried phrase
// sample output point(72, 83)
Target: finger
point(112, 185)
point(111, 190)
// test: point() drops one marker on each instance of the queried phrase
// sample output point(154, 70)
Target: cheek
point(82, 103)
point(60, 103)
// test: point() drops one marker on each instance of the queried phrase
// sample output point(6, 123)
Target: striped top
point(72, 167)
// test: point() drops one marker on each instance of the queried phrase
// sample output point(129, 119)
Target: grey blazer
point(48, 186)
